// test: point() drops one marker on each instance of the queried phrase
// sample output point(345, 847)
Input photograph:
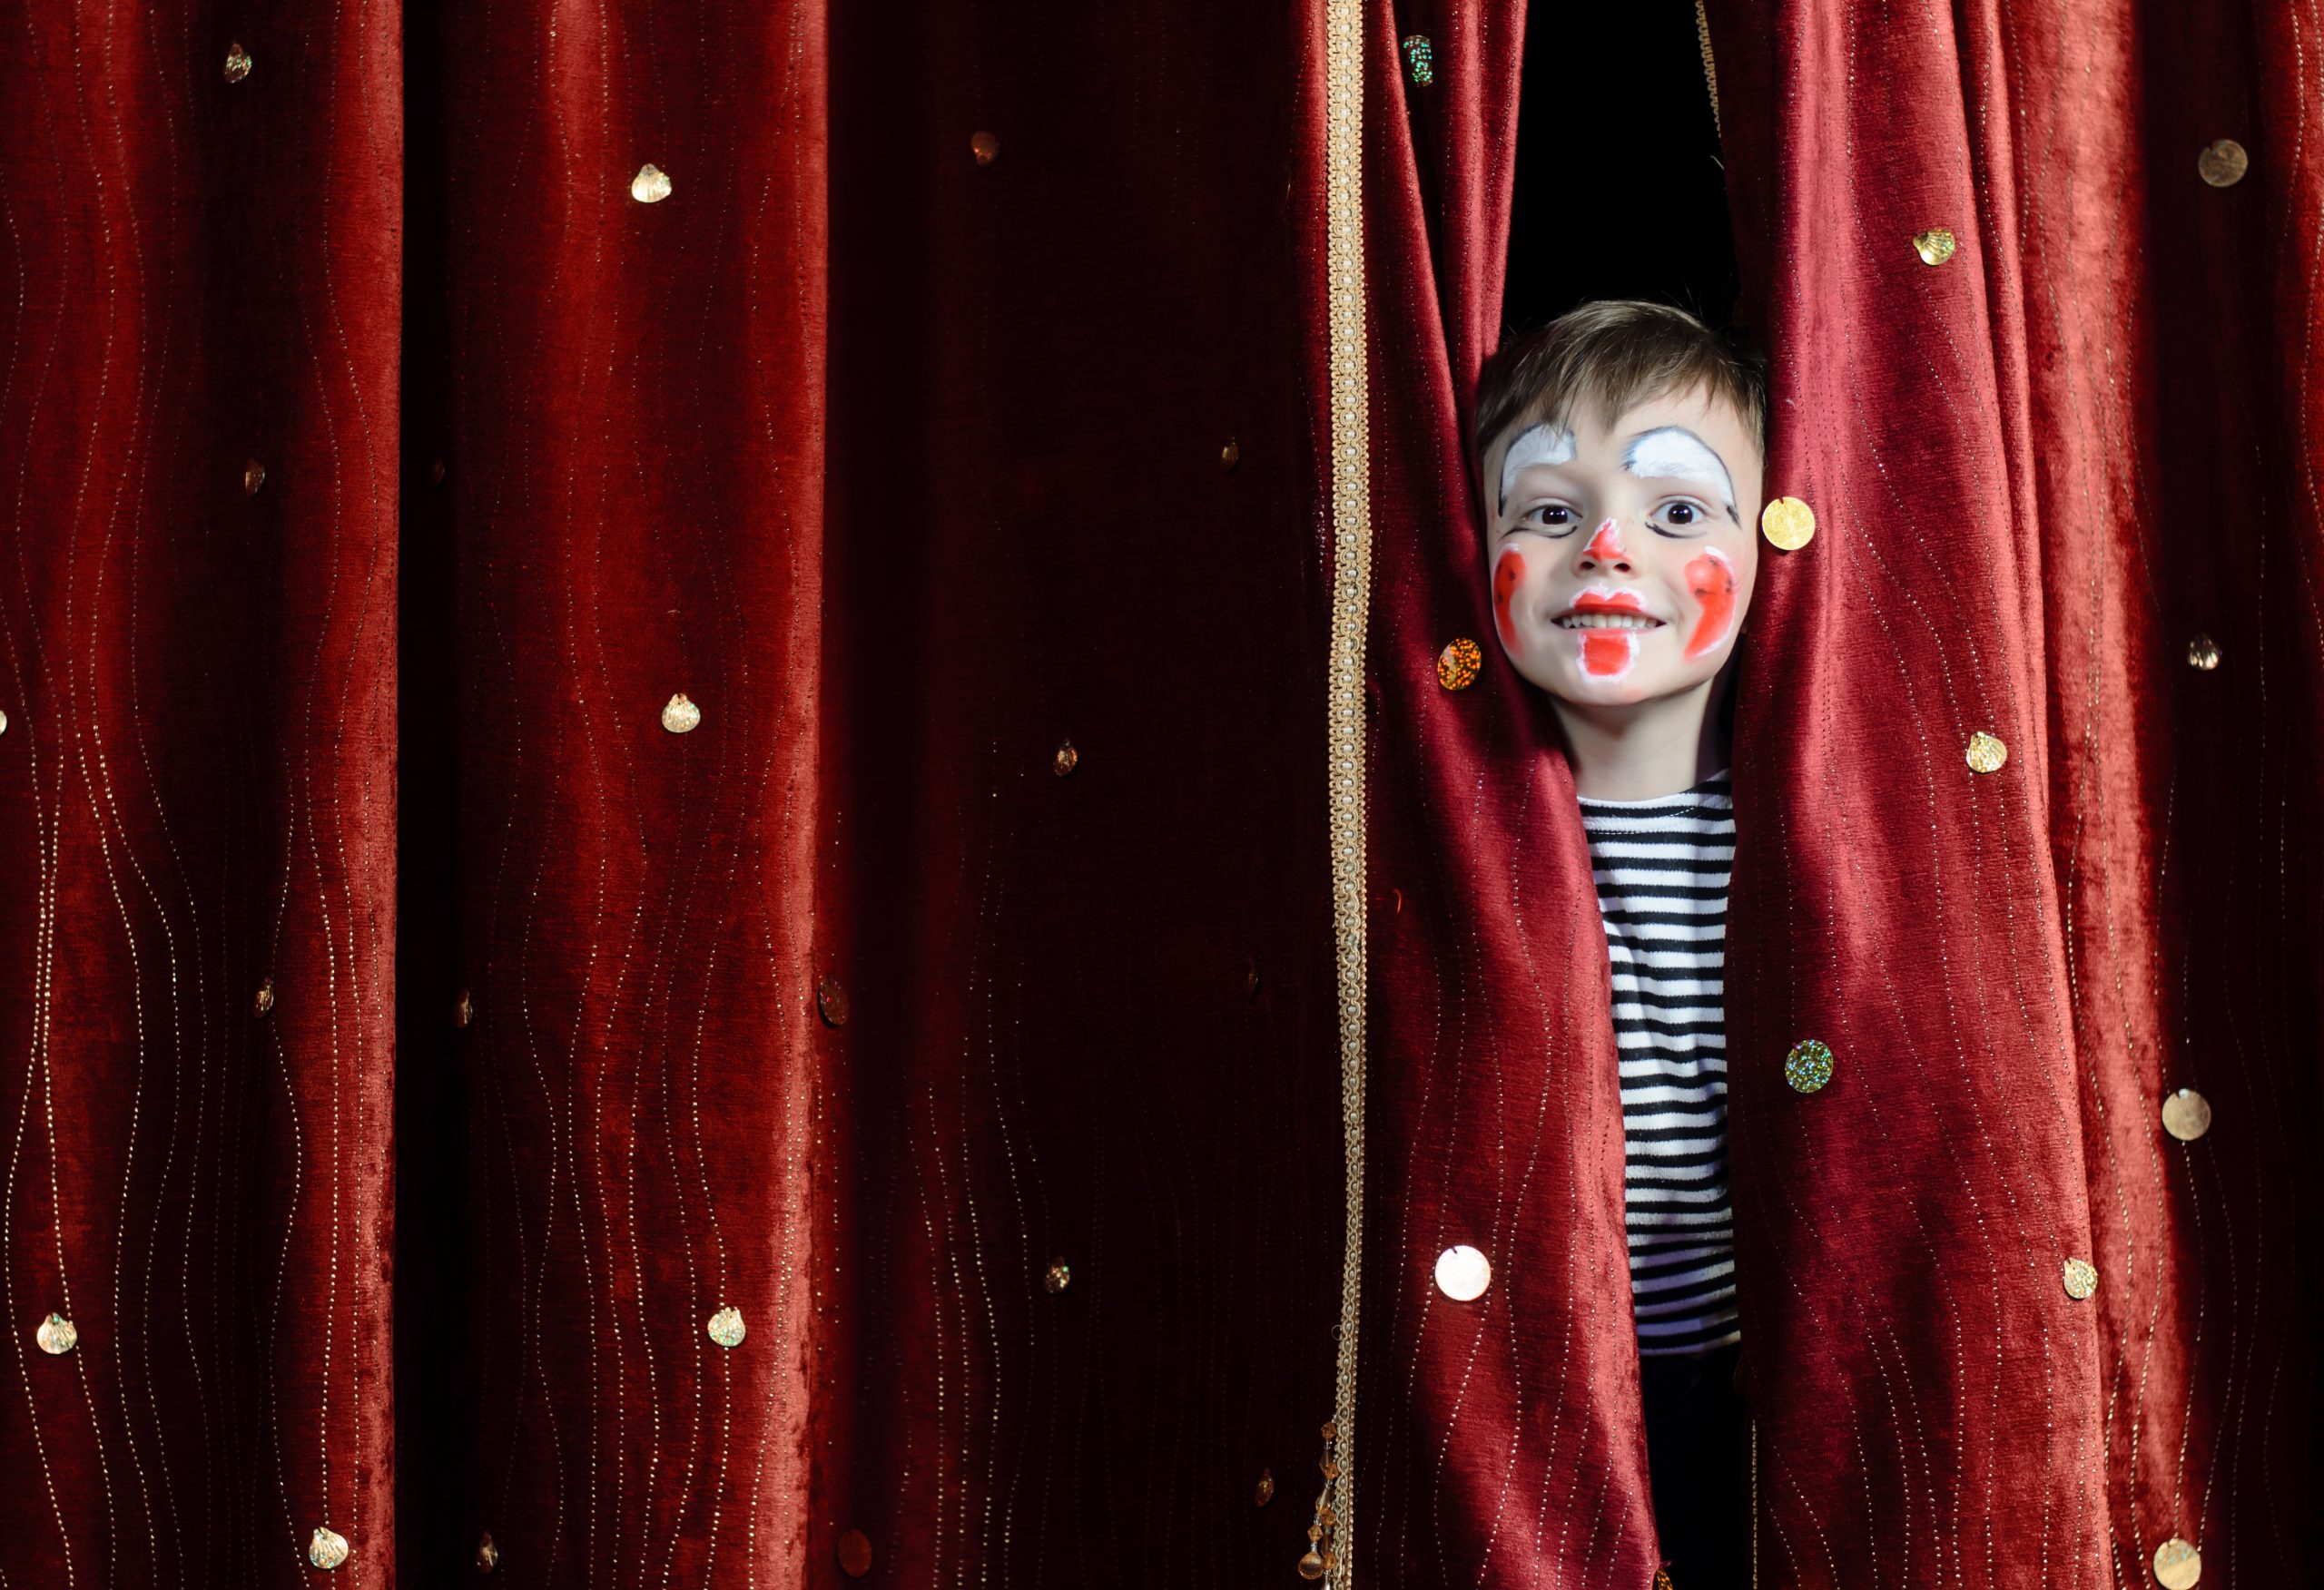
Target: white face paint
point(1673, 453)
point(1544, 444)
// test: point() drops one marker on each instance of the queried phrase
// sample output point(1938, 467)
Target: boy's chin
point(1639, 687)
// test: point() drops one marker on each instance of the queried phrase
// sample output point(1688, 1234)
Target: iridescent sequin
point(1986, 754)
point(55, 1336)
point(1462, 1274)
point(831, 1000)
point(854, 1554)
point(1419, 60)
point(2177, 1564)
point(2186, 1114)
point(238, 62)
point(254, 477)
point(1265, 1491)
point(2081, 1279)
point(488, 1554)
point(984, 148)
point(263, 1000)
point(681, 716)
point(726, 1328)
point(1458, 665)
point(1808, 1066)
point(2224, 163)
point(2203, 653)
point(1058, 1276)
point(1066, 760)
point(327, 1547)
point(1935, 246)
point(651, 185)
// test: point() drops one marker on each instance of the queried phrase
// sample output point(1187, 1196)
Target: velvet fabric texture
point(411, 1043)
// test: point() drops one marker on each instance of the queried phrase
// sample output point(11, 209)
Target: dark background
point(1620, 191)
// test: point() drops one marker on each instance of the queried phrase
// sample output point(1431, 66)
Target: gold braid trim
point(1351, 609)
point(1710, 69)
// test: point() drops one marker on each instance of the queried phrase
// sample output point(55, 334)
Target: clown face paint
point(1507, 576)
point(1710, 577)
point(1544, 444)
point(1675, 452)
point(1607, 654)
point(1621, 563)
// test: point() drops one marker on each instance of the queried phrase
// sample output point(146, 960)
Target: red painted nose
point(1606, 546)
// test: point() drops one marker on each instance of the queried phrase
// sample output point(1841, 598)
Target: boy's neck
point(1645, 751)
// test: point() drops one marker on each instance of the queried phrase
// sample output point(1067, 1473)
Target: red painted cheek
point(1712, 581)
point(1507, 576)
point(1606, 546)
point(1605, 652)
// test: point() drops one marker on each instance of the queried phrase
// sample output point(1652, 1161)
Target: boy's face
point(1621, 560)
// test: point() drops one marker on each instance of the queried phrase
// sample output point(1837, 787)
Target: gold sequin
point(1265, 1492)
point(651, 185)
point(726, 1328)
point(679, 715)
point(1458, 665)
point(1229, 456)
point(1986, 753)
point(2186, 1114)
point(488, 1554)
point(1058, 1276)
point(1066, 760)
point(327, 1547)
point(263, 1001)
point(238, 62)
point(855, 1554)
point(2224, 163)
point(2081, 1279)
point(1787, 523)
point(463, 1009)
point(56, 1336)
point(254, 477)
point(2177, 1564)
point(831, 1000)
point(1808, 1066)
point(1935, 246)
point(985, 147)
point(2203, 653)
point(1462, 1274)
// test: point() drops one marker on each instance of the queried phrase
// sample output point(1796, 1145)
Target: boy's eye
point(1551, 516)
point(1681, 513)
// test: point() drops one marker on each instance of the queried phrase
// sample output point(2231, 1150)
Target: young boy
point(1620, 451)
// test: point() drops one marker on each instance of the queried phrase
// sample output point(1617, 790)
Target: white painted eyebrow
point(1674, 452)
point(1547, 442)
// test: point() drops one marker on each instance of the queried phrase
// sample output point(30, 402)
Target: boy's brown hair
point(1610, 355)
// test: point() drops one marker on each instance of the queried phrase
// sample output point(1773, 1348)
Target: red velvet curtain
point(419, 1027)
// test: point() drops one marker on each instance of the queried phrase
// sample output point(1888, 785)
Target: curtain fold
point(632, 423)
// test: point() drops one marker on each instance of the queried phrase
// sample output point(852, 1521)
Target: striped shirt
point(1661, 868)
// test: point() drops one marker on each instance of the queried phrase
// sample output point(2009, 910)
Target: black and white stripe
point(1661, 868)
